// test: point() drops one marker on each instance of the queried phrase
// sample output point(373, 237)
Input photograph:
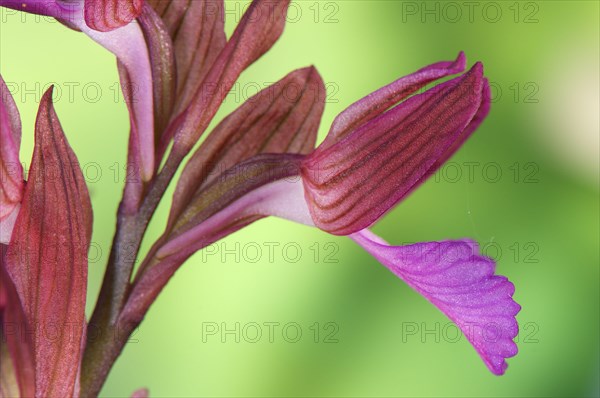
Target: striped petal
point(457, 279)
point(352, 183)
point(106, 15)
point(381, 100)
point(282, 118)
point(162, 62)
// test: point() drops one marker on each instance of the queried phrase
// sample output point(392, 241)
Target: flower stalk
point(262, 160)
point(106, 336)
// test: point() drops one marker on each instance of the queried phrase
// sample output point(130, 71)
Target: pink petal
point(47, 257)
point(482, 112)
point(129, 46)
point(11, 171)
point(454, 277)
point(7, 224)
point(381, 100)
point(352, 183)
point(106, 15)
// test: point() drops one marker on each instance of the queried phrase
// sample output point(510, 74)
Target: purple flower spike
point(454, 277)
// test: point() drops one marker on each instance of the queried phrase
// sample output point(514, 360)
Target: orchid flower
point(176, 67)
point(372, 157)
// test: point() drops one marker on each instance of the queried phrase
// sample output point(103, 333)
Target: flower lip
point(461, 283)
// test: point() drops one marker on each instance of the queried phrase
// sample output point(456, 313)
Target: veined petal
point(11, 170)
point(47, 257)
point(281, 118)
point(379, 101)
point(106, 15)
point(482, 112)
point(130, 48)
point(457, 279)
point(352, 183)
point(246, 178)
point(259, 29)
point(199, 40)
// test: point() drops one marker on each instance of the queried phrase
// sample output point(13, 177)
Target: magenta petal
point(11, 171)
point(106, 15)
point(479, 117)
point(129, 46)
point(352, 183)
point(458, 280)
point(381, 100)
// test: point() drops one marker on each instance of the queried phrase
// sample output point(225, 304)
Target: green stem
point(106, 336)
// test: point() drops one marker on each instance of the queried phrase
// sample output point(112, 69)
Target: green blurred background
point(525, 186)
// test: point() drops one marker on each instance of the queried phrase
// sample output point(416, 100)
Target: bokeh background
point(525, 186)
